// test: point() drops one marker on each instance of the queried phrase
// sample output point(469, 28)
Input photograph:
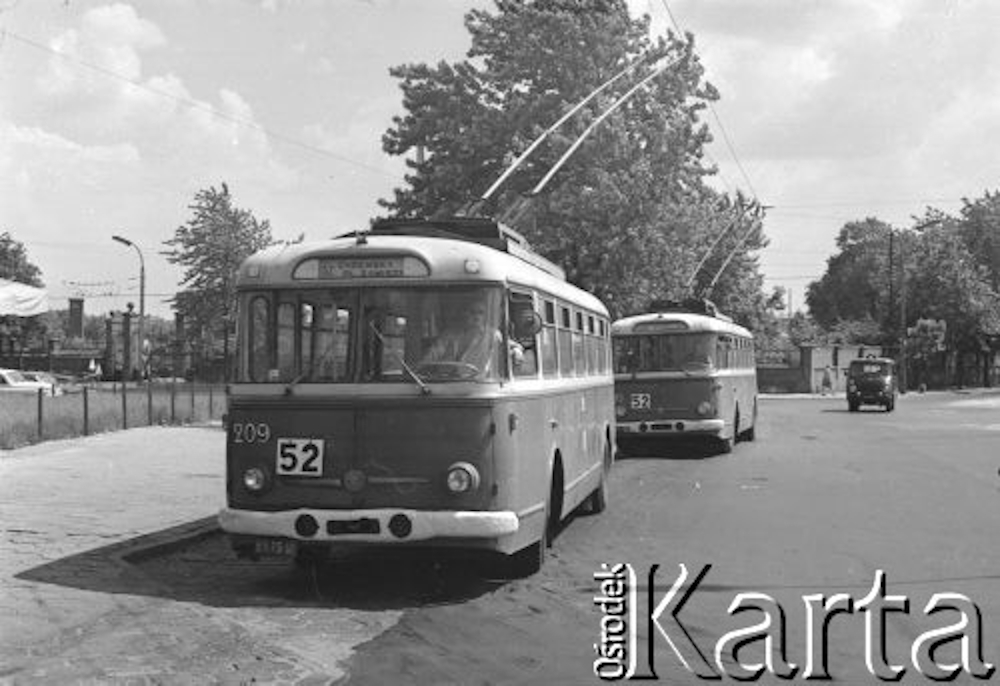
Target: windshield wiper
point(424, 388)
point(294, 382)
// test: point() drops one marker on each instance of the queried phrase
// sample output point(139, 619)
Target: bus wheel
point(529, 561)
point(751, 433)
point(597, 501)
point(726, 443)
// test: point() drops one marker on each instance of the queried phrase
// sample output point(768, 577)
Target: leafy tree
point(629, 215)
point(854, 332)
point(211, 246)
point(981, 231)
point(803, 329)
point(855, 286)
point(948, 283)
point(15, 266)
point(14, 263)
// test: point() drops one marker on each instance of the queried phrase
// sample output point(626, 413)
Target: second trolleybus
point(424, 383)
point(683, 371)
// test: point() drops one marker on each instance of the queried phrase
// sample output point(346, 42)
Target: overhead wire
point(715, 115)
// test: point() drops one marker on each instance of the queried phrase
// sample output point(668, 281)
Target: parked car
point(872, 381)
point(14, 381)
point(44, 377)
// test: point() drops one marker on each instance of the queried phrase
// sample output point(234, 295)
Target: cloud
point(109, 40)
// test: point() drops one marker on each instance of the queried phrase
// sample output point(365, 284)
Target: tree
point(211, 246)
point(981, 231)
point(14, 263)
point(855, 286)
point(629, 215)
point(15, 266)
point(950, 284)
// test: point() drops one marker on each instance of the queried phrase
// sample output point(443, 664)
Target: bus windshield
point(664, 352)
point(372, 334)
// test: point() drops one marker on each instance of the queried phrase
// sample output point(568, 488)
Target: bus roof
point(675, 322)
point(398, 256)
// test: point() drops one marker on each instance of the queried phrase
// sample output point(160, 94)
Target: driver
point(471, 341)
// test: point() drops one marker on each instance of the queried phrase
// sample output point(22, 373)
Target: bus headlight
point(462, 478)
point(255, 479)
point(704, 408)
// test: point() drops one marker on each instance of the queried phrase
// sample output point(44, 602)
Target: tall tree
point(855, 286)
point(981, 231)
point(629, 214)
point(948, 283)
point(15, 266)
point(210, 247)
point(14, 263)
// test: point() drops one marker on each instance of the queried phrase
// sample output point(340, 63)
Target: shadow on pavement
point(194, 563)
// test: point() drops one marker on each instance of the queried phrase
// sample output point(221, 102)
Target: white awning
point(21, 299)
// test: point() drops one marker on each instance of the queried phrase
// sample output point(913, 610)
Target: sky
point(113, 115)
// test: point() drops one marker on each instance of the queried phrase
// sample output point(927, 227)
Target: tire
point(750, 435)
point(726, 444)
point(597, 501)
point(529, 561)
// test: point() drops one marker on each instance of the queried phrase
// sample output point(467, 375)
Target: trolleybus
point(421, 384)
point(683, 371)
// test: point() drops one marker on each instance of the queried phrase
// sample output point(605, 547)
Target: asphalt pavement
point(124, 494)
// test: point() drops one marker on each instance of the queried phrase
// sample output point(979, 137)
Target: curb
point(166, 541)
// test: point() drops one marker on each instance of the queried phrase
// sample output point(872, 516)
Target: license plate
point(275, 547)
point(365, 525)
point(299, 457)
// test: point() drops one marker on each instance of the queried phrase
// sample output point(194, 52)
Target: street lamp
point(142, 297)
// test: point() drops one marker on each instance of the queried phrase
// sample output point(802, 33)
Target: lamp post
point(142, 297)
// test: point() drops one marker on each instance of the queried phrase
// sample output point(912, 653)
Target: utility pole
point(902, 315)
point(891, 309)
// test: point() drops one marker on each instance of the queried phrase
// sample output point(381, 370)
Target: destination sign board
point(375, 267)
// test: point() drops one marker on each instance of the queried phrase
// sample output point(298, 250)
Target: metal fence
point(27, 418)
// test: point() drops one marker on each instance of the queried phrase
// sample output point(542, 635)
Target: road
point(138, 588)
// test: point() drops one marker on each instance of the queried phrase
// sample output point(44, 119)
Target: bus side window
point(525, 324)
point(565, 337)
point(549, 347)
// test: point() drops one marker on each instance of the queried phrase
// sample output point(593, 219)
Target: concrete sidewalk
point(64, 498)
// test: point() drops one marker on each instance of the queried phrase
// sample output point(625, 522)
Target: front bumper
point(671, 427)
point(870, 397)
point(367, 526)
